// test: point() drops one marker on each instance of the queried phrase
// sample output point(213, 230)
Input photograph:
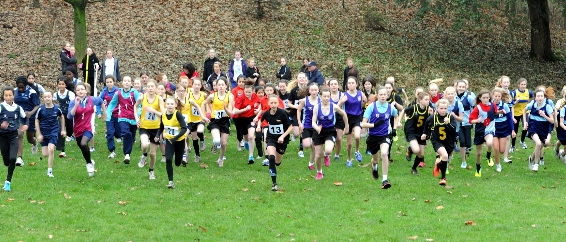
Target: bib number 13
point(276, 129)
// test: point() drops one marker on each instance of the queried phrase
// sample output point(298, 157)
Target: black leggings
point(523, 132)
point(82, 142)
point(9, 149)
point(466, 136)
point(177, 149)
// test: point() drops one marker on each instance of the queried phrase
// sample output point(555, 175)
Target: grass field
point(234, 203)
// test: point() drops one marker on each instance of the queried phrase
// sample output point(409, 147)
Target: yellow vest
point(521, 101)
point(186, 110)
point(194, 115)
point(218, 106)
point(172, 127)
point(150, 120)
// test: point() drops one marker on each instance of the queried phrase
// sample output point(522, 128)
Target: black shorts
point(374, 142)
point(307, 133)
point(279, 147)
point(340, 122)
point(295, 121)
point(222, 124)
point(353, 121)
point(243, 124)
point(410, 135)
point(192, 127)
point(437, 145)
point(540, 136)
point(151, 133)
point(325, 134)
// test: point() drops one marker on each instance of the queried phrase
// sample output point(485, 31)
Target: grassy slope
point(159, 37)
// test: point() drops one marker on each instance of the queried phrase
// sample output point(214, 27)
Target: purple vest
point(328, 120)
point(126, 105)
point(106, 98)
point(307, 113)
point(382, 130)
point(353, 105)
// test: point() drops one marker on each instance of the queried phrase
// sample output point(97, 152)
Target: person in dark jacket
point(284, 71)
point(349, 71)
point(110, 66)
point(67, 58)
point(88, 65)
point(314, 75)
point(209, 64)
point(253, 72)
point(305, 68)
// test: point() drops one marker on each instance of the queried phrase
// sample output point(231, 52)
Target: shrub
point(375, 20)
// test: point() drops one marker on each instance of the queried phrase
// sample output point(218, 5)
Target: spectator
point(237, 67)
point(252, 71)
point(89, 65)
point(284, 71)
point(350, 70)
point(67, 58)
point(215, 75)
point(110, 66)
point(313, 74)
point(305, 68)
point(209, 64)
point(189, 70)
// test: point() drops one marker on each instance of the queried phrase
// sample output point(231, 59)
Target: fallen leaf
point(9, 199)
point(291, 235)
point(465, 195)
point(41, 202)
point(245, 189)
point(32, 201)
point(98, 201)
point(252, 181)
point(50, 236)
point(338, 183)
point(122, 202)
point(202, 228)
point(413, 237)
point(427, 201)
point(467, 184)
point(80, 230)
point(534, 225)
point(66, 196)
point(189, 225)
point(203, 165)
point(401, 213)
point(439, 207)
point(122, 213)
point(470, 223)
point(116, 162)
point(278, 235)
point(429, 240)
point(414, 199)
point(32, 164)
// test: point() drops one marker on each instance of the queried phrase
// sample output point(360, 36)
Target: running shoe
point(498, 167)
point(274, 188)
point(141, 163)
point(34, 149)
point(358, 156)
point(326, 161)
point(512, 149)
point(19, 161)
point(163, 159)
point(265, 162)
point(127, 159)
point(246, 146)
point(490, 162)
point(414, 172)
point(251, 159)
point(385, 184)
point(7, 186)
point(62, 154)
point(197, 159)
point(464, 165)
point(348, 163)
point(184, 161)
point(531, 163)
point(112, 155)
point(151, 175)
point(336, 157)
point(213, 149)
point(202, 146)
point(118, 140)
point(220, 162)
point(311, 166)
point(319, 175)
point(421, 164)
point(301, 154)
point(409, 154)
point(90, 168)
point(535, 167)
point(92, 149)
point(541, 161)
point(478, 173)
point(524, 145)
point(171, 185)
point(507, 160)
point(50, 174)
point(442, 182)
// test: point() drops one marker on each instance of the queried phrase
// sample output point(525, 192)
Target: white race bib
point(220, 114)
point(195, 111)
point(297, 102)
point(150, 116)
point(286, 102)
point(276, 129)
point(172, 130)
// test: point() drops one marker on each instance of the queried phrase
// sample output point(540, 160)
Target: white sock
point(49, 170)
point(320, 171)
point(384, 177)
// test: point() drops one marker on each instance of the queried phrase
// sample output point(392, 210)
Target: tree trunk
point(79, 19)
point(541, 48)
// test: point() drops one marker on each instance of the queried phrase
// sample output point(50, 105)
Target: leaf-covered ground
point(159, 36)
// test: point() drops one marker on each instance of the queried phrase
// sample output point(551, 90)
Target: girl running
point(456, 110)
point(306, 106)
point(323, 122)
point(376, 119)
point(395, 100)
point(504, 82)
point(441, 128)
point(63, 97)
point(261, 130)
point(13, 119)
point(163, 96)
point(173, 130)
point(416, 115)
point(197, 119)
point(521, 97)
point(50, 119)
point(538, 125)
point(125, 100)
point(112, 128)
point(81, 110)
point(335, 96)
point(277, 136)
point(560, 131)
point(503, 124)
point(222, 103)
point(27, 98)
point(467, 98)
point(483, 116)
point(245, 107)
point(183, 106)
point(148, 111)
point(294, 97)
point(353, 101)
point(237, 92)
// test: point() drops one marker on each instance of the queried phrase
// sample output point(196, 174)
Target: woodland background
point(478, 40)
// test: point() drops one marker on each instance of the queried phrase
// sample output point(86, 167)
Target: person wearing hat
point(314, 75)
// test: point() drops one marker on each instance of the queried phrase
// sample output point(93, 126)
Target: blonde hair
point(504, 94)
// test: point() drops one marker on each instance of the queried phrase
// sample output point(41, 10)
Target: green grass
point(224, 204)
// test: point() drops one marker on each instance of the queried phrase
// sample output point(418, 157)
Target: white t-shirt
point(237, 69)
point(109, 66)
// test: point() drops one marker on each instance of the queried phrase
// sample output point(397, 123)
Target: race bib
point(276, 129)
point(150, 116)
point(174, 131)
point(220, 114)
point(286, 102)
point(186, 117)
point(297, 102)
point(195, 111)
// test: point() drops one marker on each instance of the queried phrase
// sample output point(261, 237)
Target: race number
point(276, 129)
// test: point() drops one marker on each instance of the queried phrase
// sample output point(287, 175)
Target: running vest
point(376, 116)
point(353, 105)
point(308, 111)
point(83, 116)
point(218, 111)
point(149, 120)
point(172, 127)
point(126, 105)
point(194, 115)
point(328, 120)
point(63, 102)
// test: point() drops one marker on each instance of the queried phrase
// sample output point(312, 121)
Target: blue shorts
point(87, 134)
point(31, 124)
point(502, 129)
point(49, 139)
